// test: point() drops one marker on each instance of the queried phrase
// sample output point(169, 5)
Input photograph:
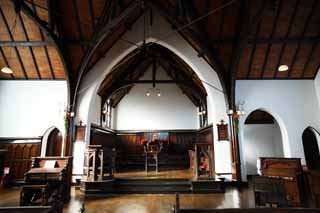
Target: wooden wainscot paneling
point(19, 154)
point(223, 132)
point(102, 136)
point(176, 144)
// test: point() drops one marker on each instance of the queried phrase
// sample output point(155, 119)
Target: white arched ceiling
point(161, 32)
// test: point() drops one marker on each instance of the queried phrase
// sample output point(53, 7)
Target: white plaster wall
point(292, 103)
point(29, 108)
point(96, 115)
point(172, 110)
point(261, 140)
point(162, 32)
point(317, 86)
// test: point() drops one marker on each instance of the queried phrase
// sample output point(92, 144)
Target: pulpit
point(93, 163)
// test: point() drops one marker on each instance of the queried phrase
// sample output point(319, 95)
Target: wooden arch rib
point(128, 72)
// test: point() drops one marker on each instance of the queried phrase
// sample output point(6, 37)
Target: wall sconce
point(202, 112)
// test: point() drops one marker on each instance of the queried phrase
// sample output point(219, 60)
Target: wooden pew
point(290, 171)
point(48, 182)
point(178, 209)
point(27, 209)
point(314, 185)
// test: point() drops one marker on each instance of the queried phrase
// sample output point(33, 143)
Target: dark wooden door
point(311, 149)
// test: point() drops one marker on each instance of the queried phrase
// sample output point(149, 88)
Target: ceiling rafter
point(55, 39)
point(98, 37)
point(206, 48)
point(30, 49)
point(253, 50)
point(274, 25)
point(12, 39)
point(286, 36)
point(310, 15)
point(42, 36)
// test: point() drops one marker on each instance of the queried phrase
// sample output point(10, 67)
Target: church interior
point(138, 106)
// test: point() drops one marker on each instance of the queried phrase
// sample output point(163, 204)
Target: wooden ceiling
point(240, 39)
point(25, 48)
point(128, 72)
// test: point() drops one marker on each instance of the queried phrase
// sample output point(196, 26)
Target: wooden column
point(234, 148)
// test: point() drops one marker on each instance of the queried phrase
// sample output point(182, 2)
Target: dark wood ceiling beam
point(274, 25)
point(78, 23)
point(25, 43)
point(42, 36)
point(310, 15)
point(92, 17)
point(237, 48)
point(97, 39)
point(12, 39)
point(253, 51)
point(30, 49)
point(59, 46)
point(204, 43)
point(286, 36)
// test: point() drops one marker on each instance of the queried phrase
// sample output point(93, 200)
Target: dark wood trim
point(126, 132)
point(104, 129)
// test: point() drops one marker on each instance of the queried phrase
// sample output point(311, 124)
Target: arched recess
point(217, 103)
point(52, 142)
point(262, 136)
point(310, 138)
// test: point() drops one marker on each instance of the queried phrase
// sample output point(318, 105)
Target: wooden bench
point(177, 209)
point(27, 209)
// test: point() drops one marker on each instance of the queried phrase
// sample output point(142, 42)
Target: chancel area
point(159, 106)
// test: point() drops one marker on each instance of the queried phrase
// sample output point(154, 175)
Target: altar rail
point(18, 157)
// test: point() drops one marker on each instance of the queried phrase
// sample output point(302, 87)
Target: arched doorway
point(262, 138)
point(311, 149)
point(52, 142)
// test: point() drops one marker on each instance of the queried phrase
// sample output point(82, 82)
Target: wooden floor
point(167, 174)
point(233, 198)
